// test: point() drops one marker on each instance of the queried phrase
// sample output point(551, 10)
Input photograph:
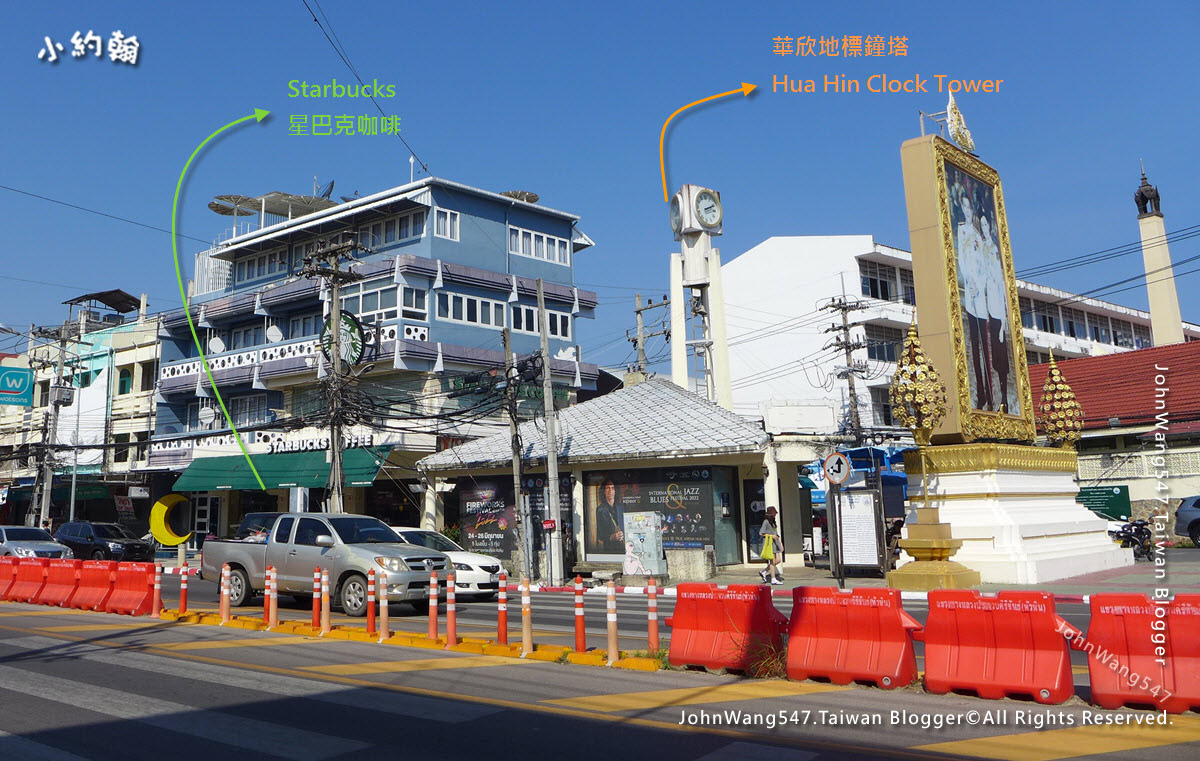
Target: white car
point(475, 575)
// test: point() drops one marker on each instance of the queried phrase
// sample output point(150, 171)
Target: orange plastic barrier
point(858, 636)
point(724, 627)
point(62, 579)
point(31, 575)
point(1144, 654)
point(8, 572)
point(133, 589)
point(1010, 644)
point(95, 584)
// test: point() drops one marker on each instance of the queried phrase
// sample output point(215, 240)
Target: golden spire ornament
point(1060, 415)
point(958, 126)
point(917, 392)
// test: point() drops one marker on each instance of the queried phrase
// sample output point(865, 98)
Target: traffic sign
point(837, 468)
point(16, 386)
point(548, 525)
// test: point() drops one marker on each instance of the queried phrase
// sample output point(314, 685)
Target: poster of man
point(607, 519)
point(983, 294)
point(683, 497)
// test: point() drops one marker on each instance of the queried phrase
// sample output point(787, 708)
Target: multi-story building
point(105, 415)
point(784, 369)
point(444, 268)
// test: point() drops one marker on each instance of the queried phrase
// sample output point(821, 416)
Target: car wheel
point(420, 606)
point(353, 596)
point(239, 588)
point(97, 554)
point(1194, 532)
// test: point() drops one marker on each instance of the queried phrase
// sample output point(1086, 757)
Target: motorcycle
point(1136, 535)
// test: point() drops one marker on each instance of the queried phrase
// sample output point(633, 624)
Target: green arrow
point(259, 115)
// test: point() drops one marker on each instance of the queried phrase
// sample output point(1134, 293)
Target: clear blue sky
point(569, 104)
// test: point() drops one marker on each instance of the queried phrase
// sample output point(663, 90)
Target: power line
point(98, 213)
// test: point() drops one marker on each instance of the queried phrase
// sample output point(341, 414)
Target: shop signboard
point(16, 386)
point(1112, 501)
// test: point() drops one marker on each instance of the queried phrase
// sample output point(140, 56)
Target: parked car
point(25, 542)
point(347, 546)
point(103, 541)
point(475, 575)
point(1187, 519)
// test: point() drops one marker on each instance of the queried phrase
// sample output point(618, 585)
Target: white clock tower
point(697, 298)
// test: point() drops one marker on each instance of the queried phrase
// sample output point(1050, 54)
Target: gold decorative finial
point(958, 127)
point(917, 392)
point(1059, 414)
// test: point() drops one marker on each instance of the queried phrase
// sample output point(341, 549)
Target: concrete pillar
point(771, 479)
point(433, 516)
point(680, 303)
point(722, 379)
point(1166, 323)
point(297, 500)
point(790, 512)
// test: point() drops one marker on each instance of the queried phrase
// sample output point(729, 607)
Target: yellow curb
point(338, 633)
point(428, 644)
point(543, 655)
point(397, 639)
point(556, 649)
point(586, 659)
point(361, 636)
point(468, 647)
point(475, 640)
point(637, 664)
point(509, 651)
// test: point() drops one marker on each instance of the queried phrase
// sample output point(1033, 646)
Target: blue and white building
point(446, 268)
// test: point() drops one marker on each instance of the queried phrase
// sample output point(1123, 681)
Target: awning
point(280, 471)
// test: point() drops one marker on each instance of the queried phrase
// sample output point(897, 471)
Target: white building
point(785, 371)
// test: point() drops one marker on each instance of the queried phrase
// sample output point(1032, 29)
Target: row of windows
point(538, 245)
point(887, 283)
point(525, 320)
point(471, 310)
point(392, 230)
point(883, 343)
point(1076, 323)
point(245, 411)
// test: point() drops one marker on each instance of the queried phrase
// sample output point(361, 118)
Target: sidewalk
point(1182, 565)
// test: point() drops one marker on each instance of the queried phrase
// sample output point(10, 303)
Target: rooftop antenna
point(314, 184)
point(411, 161)
point(348, 199)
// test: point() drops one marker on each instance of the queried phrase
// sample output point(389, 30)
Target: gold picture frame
point(941, 294)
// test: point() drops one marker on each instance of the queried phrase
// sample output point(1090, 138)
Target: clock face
point(676, 215)
point(708, 208)
point(351, 342)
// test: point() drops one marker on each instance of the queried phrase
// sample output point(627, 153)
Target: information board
point(860, 527)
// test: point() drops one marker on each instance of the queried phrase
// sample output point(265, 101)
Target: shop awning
point(280, 471)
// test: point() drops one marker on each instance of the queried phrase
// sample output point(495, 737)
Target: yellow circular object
point(158, 520)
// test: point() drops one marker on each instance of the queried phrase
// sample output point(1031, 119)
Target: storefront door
point(206, 517)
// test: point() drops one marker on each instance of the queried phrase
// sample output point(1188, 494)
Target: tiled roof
point(652, 419)
point(1123, 385)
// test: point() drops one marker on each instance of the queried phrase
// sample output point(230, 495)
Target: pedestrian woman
point(772, 548)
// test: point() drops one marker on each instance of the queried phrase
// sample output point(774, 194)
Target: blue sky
point(569, 102)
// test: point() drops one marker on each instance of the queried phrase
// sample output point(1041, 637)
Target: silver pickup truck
point(347, 546)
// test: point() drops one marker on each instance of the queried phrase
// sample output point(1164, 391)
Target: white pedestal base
point(1019, 527)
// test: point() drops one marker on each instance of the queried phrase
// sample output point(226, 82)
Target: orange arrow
point(745, 89)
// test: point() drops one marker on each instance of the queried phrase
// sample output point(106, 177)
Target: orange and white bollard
point(652, 614)
point(502, 610)
point(156, 605)
point(526, 619)
point(614, 649)
point(267, 596)
point(183, 582)
point(433, 605)
point(384, 624)
point(580, 632)
point(325, 625)
point(273, 594)
point(316, 614)
point(451, 614)
point(224, 606)
point(371, 603)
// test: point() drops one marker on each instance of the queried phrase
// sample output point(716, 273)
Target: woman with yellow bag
point(772, 548)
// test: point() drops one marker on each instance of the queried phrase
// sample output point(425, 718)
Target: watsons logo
point(301, 89)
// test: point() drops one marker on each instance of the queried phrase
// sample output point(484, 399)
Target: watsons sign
point(320, 444)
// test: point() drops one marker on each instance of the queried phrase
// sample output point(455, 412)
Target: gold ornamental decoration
point(958, 126)
point(918, 394)
point(1059, 415)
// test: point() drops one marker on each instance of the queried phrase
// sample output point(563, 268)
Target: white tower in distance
point(1166, 322)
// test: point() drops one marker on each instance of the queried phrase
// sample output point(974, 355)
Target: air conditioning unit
point(416, 332)
point(114, 319)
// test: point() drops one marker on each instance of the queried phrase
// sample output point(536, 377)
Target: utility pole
point(512, 384)
point(51, 430)
point(850, 371)
point(639, 340)
point(325, 263)
point(553, 507)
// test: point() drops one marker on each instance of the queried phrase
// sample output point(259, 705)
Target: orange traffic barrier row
point(721, 626)
point(128, 588)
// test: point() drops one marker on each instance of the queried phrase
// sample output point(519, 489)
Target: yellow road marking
point(1079, 669)
point(223, 643)
point(630, 701)
point(423, 664)
point(1054, 744)
point(100, 627)
point(44, 612)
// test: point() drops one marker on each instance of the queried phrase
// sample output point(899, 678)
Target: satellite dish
point(522, 195)
point(207, 415)
point(274, 334)
point(348, 199)
point(216, 345)
point(234, 205)
point(326, 191)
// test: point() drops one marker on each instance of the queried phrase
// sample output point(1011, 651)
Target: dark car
point(103, 541)
point(1187, 519)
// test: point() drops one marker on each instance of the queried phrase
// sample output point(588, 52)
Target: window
point(883, 343)
point(305, 325)
point(453, 307)
point(283, 530)
point(1045, 317)
point(1141, 337)
point(273, 263)
point(558, 324)
point(244, 338)
point(249, 410)
point(149, 371)
point(372, 301)
point(908, 290)
point(1098, 327)
point(124, 381)
point(43, 396)
point(371, 235)
point(308, 531)
point(538, 245)
point(878, 280)
point(1026, 312)
point(1036, 357)
point(1122, 333)
point(194, 418)
point(414, 304)
point(141, 442)
point(121, 453)
point(446, 224)
point(881, 405)
point(1074, 323)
